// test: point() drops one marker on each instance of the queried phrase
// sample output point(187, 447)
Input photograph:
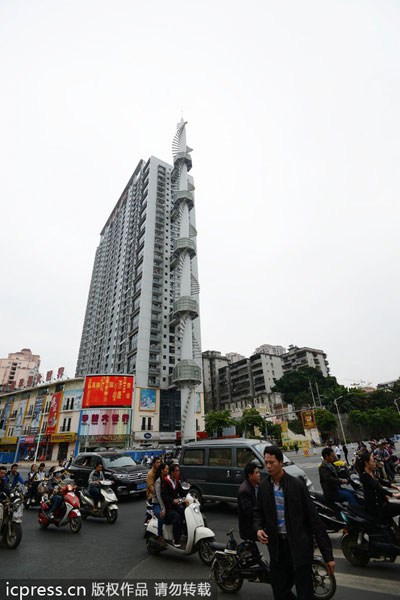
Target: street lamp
point(340, 420)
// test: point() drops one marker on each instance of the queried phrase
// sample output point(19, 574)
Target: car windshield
point(117, 460)
point(260, 449)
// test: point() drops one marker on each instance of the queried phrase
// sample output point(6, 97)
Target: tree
point(250, 419)
point(296, 425)
point(274, 431)
point(326, 421)
point(217, 420)
point(295, 386)
point(377, 421)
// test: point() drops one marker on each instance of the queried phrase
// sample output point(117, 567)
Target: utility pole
point(396, 404)
point(340, 420)
point(312, 394)
point(318, 394)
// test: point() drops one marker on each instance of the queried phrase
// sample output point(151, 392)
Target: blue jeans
point(56, 502)
point(347, 496)
point(157, 510)
point(94, 491)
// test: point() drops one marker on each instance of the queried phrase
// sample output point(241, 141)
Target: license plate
point(140, 486)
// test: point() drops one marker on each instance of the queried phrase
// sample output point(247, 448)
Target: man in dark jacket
point(247, 501)
point(330, 481)
point(287, 521)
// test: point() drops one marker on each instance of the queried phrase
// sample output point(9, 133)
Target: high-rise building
point(234, 356)
point(19, 370)
point(270, 349)
point(297, 358)
point(142, 315)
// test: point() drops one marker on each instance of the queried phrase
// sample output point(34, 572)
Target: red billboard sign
point(108, 390)
point(54, 413)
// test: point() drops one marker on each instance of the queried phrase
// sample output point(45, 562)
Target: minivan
point(215, 468)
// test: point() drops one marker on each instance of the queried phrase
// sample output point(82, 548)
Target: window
point(194, 457)
point(244, 456)
point(220, 457)
point(143, 423)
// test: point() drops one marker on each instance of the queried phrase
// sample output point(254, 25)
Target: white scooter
point(108, 502)
point(199, 537)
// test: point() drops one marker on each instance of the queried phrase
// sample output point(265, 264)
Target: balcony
point(186, 371)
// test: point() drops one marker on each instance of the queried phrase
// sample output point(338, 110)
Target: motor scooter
point(67, 513)
point(199, 537)
point(35, 498)
point(11, 511)
point(236, 562)
point(330, 513)
point(108, 504)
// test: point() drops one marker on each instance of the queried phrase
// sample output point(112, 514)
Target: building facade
point(212, 362)
point(142, 314)
point(19, 370)
point(297, 358)
point(234, 356)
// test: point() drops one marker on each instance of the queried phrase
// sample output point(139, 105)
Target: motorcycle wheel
point(151, 547)
point(13, 538)
point(75, 524)
point(359, 560)
point(206, 553)
point(324, 584)
point(229, 585)
point(112, 515)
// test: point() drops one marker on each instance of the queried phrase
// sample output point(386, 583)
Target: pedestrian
point(247, 502)
point(286, 520)
point(151, 477)
point(337, 451)
point(296, 448)
point(345, 452)
point(314, 447)
point(157, 501)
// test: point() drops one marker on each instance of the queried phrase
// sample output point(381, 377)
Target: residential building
point(19, 370)
point(142, 314)
point(270, 349)
point(387, 385)
point(234, 356)
point(297, 358)
point(212, 362)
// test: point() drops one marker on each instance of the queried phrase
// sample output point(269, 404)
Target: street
point(118, 551)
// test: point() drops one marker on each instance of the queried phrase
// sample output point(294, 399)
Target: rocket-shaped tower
point(186, 374)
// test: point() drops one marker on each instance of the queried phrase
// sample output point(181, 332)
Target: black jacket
point(301, 519)
point(329, 481)
point(246, 506)
point(168, 493)
point(4, 487)
point(375, 495)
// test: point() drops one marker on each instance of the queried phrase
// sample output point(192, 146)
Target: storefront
point(64, 445)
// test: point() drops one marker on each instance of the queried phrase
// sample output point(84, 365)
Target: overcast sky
point(293, 115)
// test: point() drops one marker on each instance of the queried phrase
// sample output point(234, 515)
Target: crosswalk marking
point(370, 584)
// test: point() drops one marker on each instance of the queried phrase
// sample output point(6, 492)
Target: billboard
point(108, 390)
point(20, 418)
point(6, 414)
point(37, 413)
point(54, 413)
point(147, 399)
point(105, 421)
point(308, 419)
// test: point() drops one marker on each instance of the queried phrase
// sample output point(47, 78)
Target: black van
point(215, 468)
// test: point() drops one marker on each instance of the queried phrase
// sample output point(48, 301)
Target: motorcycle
point(330, 514)
point(234, 563)
point(199, 537)
point(365, 538)
point(67, 513)
point(11, 510)
point(108, 505)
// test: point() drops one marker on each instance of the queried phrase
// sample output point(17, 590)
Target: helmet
point(58, 471)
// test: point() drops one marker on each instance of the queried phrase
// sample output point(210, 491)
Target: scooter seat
point(360, 512)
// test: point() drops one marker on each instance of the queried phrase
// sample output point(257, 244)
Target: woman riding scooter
point(171, 492)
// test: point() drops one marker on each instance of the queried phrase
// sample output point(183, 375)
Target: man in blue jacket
point(13, 477)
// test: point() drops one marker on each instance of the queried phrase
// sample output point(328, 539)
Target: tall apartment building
point(234, 356)
point(212, 362)
point(270, 349)
point(142, 315)
point(297, 358)
point(20, 369)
